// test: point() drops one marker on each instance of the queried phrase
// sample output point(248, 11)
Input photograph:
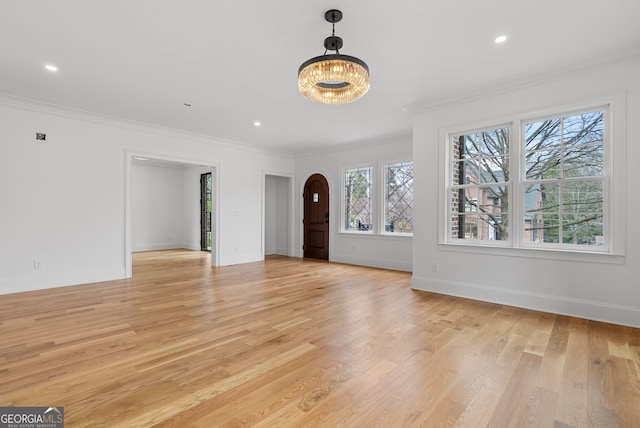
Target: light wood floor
point(293, 343)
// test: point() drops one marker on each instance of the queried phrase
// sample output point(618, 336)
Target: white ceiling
point(236, 62)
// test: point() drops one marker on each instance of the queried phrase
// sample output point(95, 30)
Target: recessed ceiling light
point(51, 67)
point(256, 123)
point(500, 39)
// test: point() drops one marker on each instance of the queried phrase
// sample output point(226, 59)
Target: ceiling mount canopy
point(333, 78)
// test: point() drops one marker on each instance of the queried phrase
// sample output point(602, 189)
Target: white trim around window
point(612, 181)
point(376, 226)
point(361, 225)
point(382, 179)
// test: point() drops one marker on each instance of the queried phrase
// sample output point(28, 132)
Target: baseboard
point(240, 259)
point(59, 279)
point(596, 311)
point(160, 246)
point(402, 265)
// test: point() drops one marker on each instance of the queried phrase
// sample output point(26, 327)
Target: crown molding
point(31, 105)
point(540, 76)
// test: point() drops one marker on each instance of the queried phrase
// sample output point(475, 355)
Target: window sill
point(534, 253)
point(372, 234)
point(357, 232)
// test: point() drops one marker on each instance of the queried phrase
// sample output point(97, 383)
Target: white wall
point(157, 209)
point(600, 291)
point(165, 205)
point(277, 219)
point(384, 251)
point(63, 200)
point(282, 223)
point(191, 205)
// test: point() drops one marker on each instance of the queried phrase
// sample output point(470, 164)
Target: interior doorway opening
point(206, 205)
point(277, 236)
point(175, 223)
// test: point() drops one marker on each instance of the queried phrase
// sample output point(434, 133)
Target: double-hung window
point(565, 186)
point(535, 182)
point(479, 187)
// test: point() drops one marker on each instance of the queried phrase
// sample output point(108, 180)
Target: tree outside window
point(358, 204)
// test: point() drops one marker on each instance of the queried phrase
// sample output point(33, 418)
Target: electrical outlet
point(37, 264)
point(434, 267)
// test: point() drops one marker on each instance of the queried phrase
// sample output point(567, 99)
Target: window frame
point(372, 199)
point(605, 179)
point(614, 209)
point(449, 179)
point(383, 203)
point(378, 184)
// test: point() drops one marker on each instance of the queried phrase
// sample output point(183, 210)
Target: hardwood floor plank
point(600, 381)
point(513, 404)
point(294, 342)
point(550, 374)
point(572, 400)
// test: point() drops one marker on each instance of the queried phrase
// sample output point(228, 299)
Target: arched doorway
point(316, 217)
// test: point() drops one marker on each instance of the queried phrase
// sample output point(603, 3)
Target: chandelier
point(334, 78)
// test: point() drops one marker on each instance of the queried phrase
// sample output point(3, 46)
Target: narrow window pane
point(583, 161)
point(543, 197)
point(398, 216)
point(482, 227)
point(484, 170)
point(542, 227)
point(582, 197)
point(583, 128)
point(358, 206)
point(543, 164)
point(486, 209)
point(582, 229)
point(489, 143)
point(543, 135)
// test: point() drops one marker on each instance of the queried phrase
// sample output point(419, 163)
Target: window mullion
point(381, 193)
point(516, 182)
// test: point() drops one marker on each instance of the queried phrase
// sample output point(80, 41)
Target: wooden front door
point(316, 218)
